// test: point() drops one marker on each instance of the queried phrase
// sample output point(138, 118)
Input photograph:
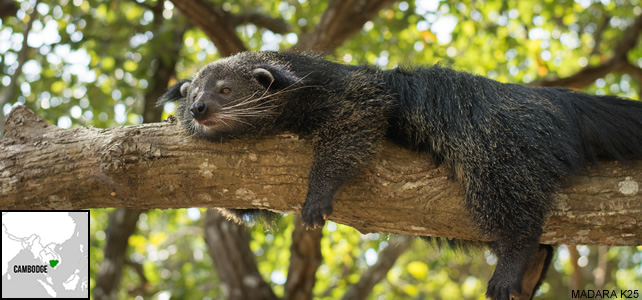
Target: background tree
point(104, 63)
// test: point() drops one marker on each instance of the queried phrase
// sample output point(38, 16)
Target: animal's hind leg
point(537, 271)
point(512, 265)
point(519, 271)
point(509, 203)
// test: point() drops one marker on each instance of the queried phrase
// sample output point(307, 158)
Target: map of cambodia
point(45, 254)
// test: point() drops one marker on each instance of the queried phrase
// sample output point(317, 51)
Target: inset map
point(45, 254)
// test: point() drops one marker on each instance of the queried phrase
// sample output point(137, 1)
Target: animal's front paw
point(502, 288)
point(314, 214)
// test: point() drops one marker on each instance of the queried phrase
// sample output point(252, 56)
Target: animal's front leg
point(340, 153)
point(318, 203)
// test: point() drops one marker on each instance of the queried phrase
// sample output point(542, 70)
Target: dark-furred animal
point(509, 144)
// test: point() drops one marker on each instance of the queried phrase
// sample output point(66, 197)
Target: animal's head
point(237, 96)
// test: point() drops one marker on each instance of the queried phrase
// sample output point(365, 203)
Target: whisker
point(233, 118)
point(246, 100)
point(243, 99)
point(262, 106)
point(222, 120)
point(268, 102)
point(267, 88)
point(258, 108)
point(285, 90)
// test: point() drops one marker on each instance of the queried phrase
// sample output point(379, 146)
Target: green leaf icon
point(53, 263)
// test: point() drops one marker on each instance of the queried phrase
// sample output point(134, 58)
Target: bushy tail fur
point(251, 216)
point(607, 127)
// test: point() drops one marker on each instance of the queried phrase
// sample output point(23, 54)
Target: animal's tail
point(608, 127)
point(251, 216)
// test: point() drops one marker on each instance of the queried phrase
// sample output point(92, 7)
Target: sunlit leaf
point(418, 269)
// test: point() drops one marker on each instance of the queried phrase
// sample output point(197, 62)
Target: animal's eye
point(225, 90)
point(193, 94)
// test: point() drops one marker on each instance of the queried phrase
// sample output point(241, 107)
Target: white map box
point(45, 254)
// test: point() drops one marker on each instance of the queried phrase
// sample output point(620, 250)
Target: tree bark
point(160, 166)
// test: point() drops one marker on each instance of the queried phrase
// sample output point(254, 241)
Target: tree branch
point(8, 8)
point(229, 247)
point(214, 22)
point(305, 258)
point(154, 8)
point(122, 224)
point(588, 75)
point(160, 166)
point(397, 245)
point(143, 287)
point(632, 70)
point(599, 32)
point(276, 25)
point(630, 38)
point(341, 20)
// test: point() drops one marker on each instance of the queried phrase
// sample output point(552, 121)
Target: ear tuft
point(176, 92)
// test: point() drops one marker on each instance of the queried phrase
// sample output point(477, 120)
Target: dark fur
point(510, 145)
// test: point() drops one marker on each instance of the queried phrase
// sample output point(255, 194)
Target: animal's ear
point(176, 92)
point(263, 76)
point(274, 77)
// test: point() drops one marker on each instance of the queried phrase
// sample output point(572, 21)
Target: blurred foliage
point(91, 62)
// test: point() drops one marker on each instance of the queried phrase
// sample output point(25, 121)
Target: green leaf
point(418, 269)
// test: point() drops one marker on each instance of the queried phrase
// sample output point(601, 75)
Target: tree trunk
point(160, 166)
point(305, 259)
point(229, 247)
point(122, 224)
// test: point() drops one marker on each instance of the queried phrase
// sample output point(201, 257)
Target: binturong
point(509, 145)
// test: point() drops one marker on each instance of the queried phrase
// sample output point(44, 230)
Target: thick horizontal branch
point(159, 166)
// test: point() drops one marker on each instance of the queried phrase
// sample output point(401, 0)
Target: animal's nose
point(198, 110)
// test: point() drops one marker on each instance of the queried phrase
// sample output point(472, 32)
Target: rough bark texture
point(159, 166)
point(228, 244)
